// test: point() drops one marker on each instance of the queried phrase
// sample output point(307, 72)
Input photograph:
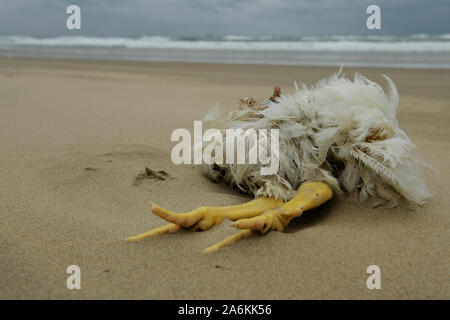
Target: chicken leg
point(262, 215)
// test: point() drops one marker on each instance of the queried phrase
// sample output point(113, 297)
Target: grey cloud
point(219, 17)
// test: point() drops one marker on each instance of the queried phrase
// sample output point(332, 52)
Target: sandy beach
point(75, 134)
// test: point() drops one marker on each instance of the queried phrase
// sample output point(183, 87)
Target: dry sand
point(75, 134)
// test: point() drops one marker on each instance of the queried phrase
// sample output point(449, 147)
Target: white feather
point(339, 131)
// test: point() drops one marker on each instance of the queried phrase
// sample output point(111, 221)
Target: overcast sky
point(222, 17)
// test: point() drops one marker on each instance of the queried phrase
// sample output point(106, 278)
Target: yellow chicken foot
point(168, 228)
point(262, 214)
point(229, 241)
point(310, 195)
point(204, 218)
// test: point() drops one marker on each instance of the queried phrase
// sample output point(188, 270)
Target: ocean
point(413, 51)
